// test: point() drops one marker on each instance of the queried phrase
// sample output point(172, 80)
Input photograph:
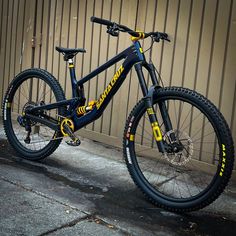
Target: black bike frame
point(133, 56)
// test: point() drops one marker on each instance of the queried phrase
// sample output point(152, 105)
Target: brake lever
point(165, 36)
point(113, 30)
point(167, 39)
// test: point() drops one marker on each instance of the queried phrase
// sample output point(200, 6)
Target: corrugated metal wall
point(201, 55)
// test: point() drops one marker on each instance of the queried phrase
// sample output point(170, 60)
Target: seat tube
point(72, 77)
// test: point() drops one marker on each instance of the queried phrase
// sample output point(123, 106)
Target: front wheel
point(196, 174)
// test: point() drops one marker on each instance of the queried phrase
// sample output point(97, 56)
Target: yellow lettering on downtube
point(109, 87)
point(156, 131)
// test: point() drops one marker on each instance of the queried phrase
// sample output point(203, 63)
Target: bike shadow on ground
point(122, 203)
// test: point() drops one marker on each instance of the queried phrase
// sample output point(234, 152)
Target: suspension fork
point(148, 99)
point(162, 106)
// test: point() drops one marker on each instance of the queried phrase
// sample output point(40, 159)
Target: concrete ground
point(87, 190)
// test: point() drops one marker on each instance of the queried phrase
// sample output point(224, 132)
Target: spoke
point(144, 137)
point(145, 130)
point(175, 113)
point(185, 118)
point(200, 129)
point(203, 136)
point(39, 90)
point(45, 93)
point(203, 151)
point(180, 112)
point(27, 86)
point(144, 150)
point(40, 141)
point(27, 99)
point(192, 121)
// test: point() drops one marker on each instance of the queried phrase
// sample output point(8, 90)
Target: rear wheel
point(193, 176)
point(33, 87)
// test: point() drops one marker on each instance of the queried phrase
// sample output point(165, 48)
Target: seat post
point(72, 77)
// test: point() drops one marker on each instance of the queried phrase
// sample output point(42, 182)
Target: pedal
point(74, 143)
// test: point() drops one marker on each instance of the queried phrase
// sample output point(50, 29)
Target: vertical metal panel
point(201, 55)
point(194, 42)
point(103, 57)
point(4, 13)
point(38, 30)
point(4, 44)
point(87, 65)
point(228, 86)
point(63, 41)
point(44, 37)
point(72, 37)
point(56, 38)
point(51, 36)
point(1, 19)
point(118, 8)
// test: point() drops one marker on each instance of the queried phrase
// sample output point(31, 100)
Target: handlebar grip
point(101, 21)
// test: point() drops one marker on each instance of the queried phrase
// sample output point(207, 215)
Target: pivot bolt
point(175, 149)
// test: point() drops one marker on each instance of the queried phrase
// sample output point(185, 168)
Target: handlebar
point(101, 21)
point(113, 29)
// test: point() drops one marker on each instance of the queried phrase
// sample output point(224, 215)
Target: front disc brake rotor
point(179, 158)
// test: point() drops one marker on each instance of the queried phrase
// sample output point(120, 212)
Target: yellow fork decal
point(156, 131)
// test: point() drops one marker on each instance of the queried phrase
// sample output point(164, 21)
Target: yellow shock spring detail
point(156, 131)
point(81, 110)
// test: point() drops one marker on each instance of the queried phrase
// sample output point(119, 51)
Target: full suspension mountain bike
point(177, 146)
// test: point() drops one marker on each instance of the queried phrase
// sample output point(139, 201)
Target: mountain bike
point(177, 145)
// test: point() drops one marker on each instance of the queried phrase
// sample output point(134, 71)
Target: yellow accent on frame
point(8, 105)
point(156, 131)
point(141, 50)
point(131, 137)
point(150, 111)
point(68, 122)
point(71, 66)
point(140, 36)
point(109, 87)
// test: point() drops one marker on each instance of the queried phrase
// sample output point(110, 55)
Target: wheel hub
point(180, 152)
